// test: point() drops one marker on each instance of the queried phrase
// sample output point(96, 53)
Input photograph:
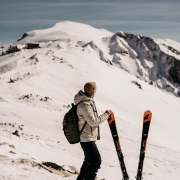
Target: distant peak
point(70, 23)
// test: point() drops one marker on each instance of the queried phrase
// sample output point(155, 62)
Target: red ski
point(112, 125)
point(146, 124)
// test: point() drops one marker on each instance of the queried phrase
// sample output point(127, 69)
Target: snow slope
point(37, 92)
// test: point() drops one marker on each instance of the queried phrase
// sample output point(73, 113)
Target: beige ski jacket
point(87, 112)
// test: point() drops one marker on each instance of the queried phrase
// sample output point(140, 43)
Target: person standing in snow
point(87, 112)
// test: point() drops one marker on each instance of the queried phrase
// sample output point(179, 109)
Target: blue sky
point(158, 19)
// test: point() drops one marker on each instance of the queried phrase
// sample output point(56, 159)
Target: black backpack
point(70, 125)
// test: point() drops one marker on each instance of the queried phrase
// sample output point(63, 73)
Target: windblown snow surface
point(37, 87)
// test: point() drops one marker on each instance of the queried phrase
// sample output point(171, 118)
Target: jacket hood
point(80, 96)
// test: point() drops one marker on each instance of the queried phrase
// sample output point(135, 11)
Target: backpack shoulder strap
point(86, 121)
point(83, 128)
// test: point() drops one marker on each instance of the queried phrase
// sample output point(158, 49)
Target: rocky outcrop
point(164, 65)
point(136, 43)
point(173, 50)
point(117, 47)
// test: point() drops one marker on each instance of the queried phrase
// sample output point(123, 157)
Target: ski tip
point(147, 116)
point(148, 111)
point(111, 118)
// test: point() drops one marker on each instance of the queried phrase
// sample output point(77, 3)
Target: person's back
point(87, 114)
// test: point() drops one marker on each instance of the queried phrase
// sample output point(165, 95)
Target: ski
point(112, 126)
point(145, 131)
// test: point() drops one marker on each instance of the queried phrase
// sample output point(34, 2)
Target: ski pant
point(92, 161)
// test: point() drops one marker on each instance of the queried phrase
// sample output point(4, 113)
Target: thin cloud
point(139, 23)
point(27, 22)
point(99, 23)
point(112, 15)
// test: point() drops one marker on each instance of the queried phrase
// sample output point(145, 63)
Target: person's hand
point(109, 112)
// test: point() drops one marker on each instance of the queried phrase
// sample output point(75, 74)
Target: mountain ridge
point(157, 61)
point(150, 61)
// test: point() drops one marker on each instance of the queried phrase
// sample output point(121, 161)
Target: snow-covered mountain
point(62, 31)
point(154, 60)
point(37, 87)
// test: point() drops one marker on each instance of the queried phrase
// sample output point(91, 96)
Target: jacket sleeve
point(89, 115)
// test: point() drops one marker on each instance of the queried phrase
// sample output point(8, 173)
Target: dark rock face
point(175, 51)
point(24, 35)
point(168, 66)
point(174, 71)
